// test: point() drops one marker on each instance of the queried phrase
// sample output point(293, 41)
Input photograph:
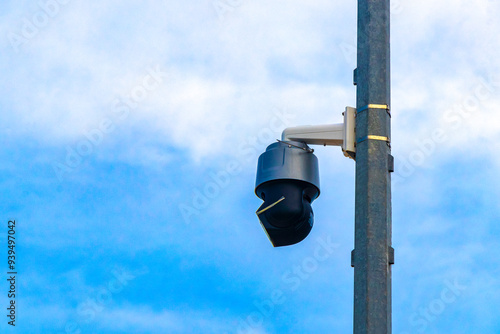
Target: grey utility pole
point(373, 255)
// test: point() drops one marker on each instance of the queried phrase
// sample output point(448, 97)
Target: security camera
point(287, 182)
point(288, 178)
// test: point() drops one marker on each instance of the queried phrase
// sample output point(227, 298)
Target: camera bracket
point(342, 134)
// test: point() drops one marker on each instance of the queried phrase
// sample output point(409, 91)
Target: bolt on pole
point(373, 254)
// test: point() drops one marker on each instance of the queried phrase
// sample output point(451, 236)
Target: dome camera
point(288, 177)
point(287, 182)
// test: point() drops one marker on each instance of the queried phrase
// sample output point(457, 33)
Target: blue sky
point(130, 133)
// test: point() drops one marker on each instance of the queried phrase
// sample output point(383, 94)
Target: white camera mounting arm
point(342, 134)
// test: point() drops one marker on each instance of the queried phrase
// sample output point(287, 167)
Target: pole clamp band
point(376, 106)
point(372, 137)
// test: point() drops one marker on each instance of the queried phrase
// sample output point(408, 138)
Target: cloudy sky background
point(120, 117)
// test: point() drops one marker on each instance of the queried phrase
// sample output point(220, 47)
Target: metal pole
point(373, 255)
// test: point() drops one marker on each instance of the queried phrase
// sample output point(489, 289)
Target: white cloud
point(141, 319)
point(222, 74)
point(145, 320)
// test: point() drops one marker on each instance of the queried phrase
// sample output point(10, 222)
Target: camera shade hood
point(287, 161)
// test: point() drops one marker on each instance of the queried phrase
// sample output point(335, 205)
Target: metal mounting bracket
point(342, 134)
